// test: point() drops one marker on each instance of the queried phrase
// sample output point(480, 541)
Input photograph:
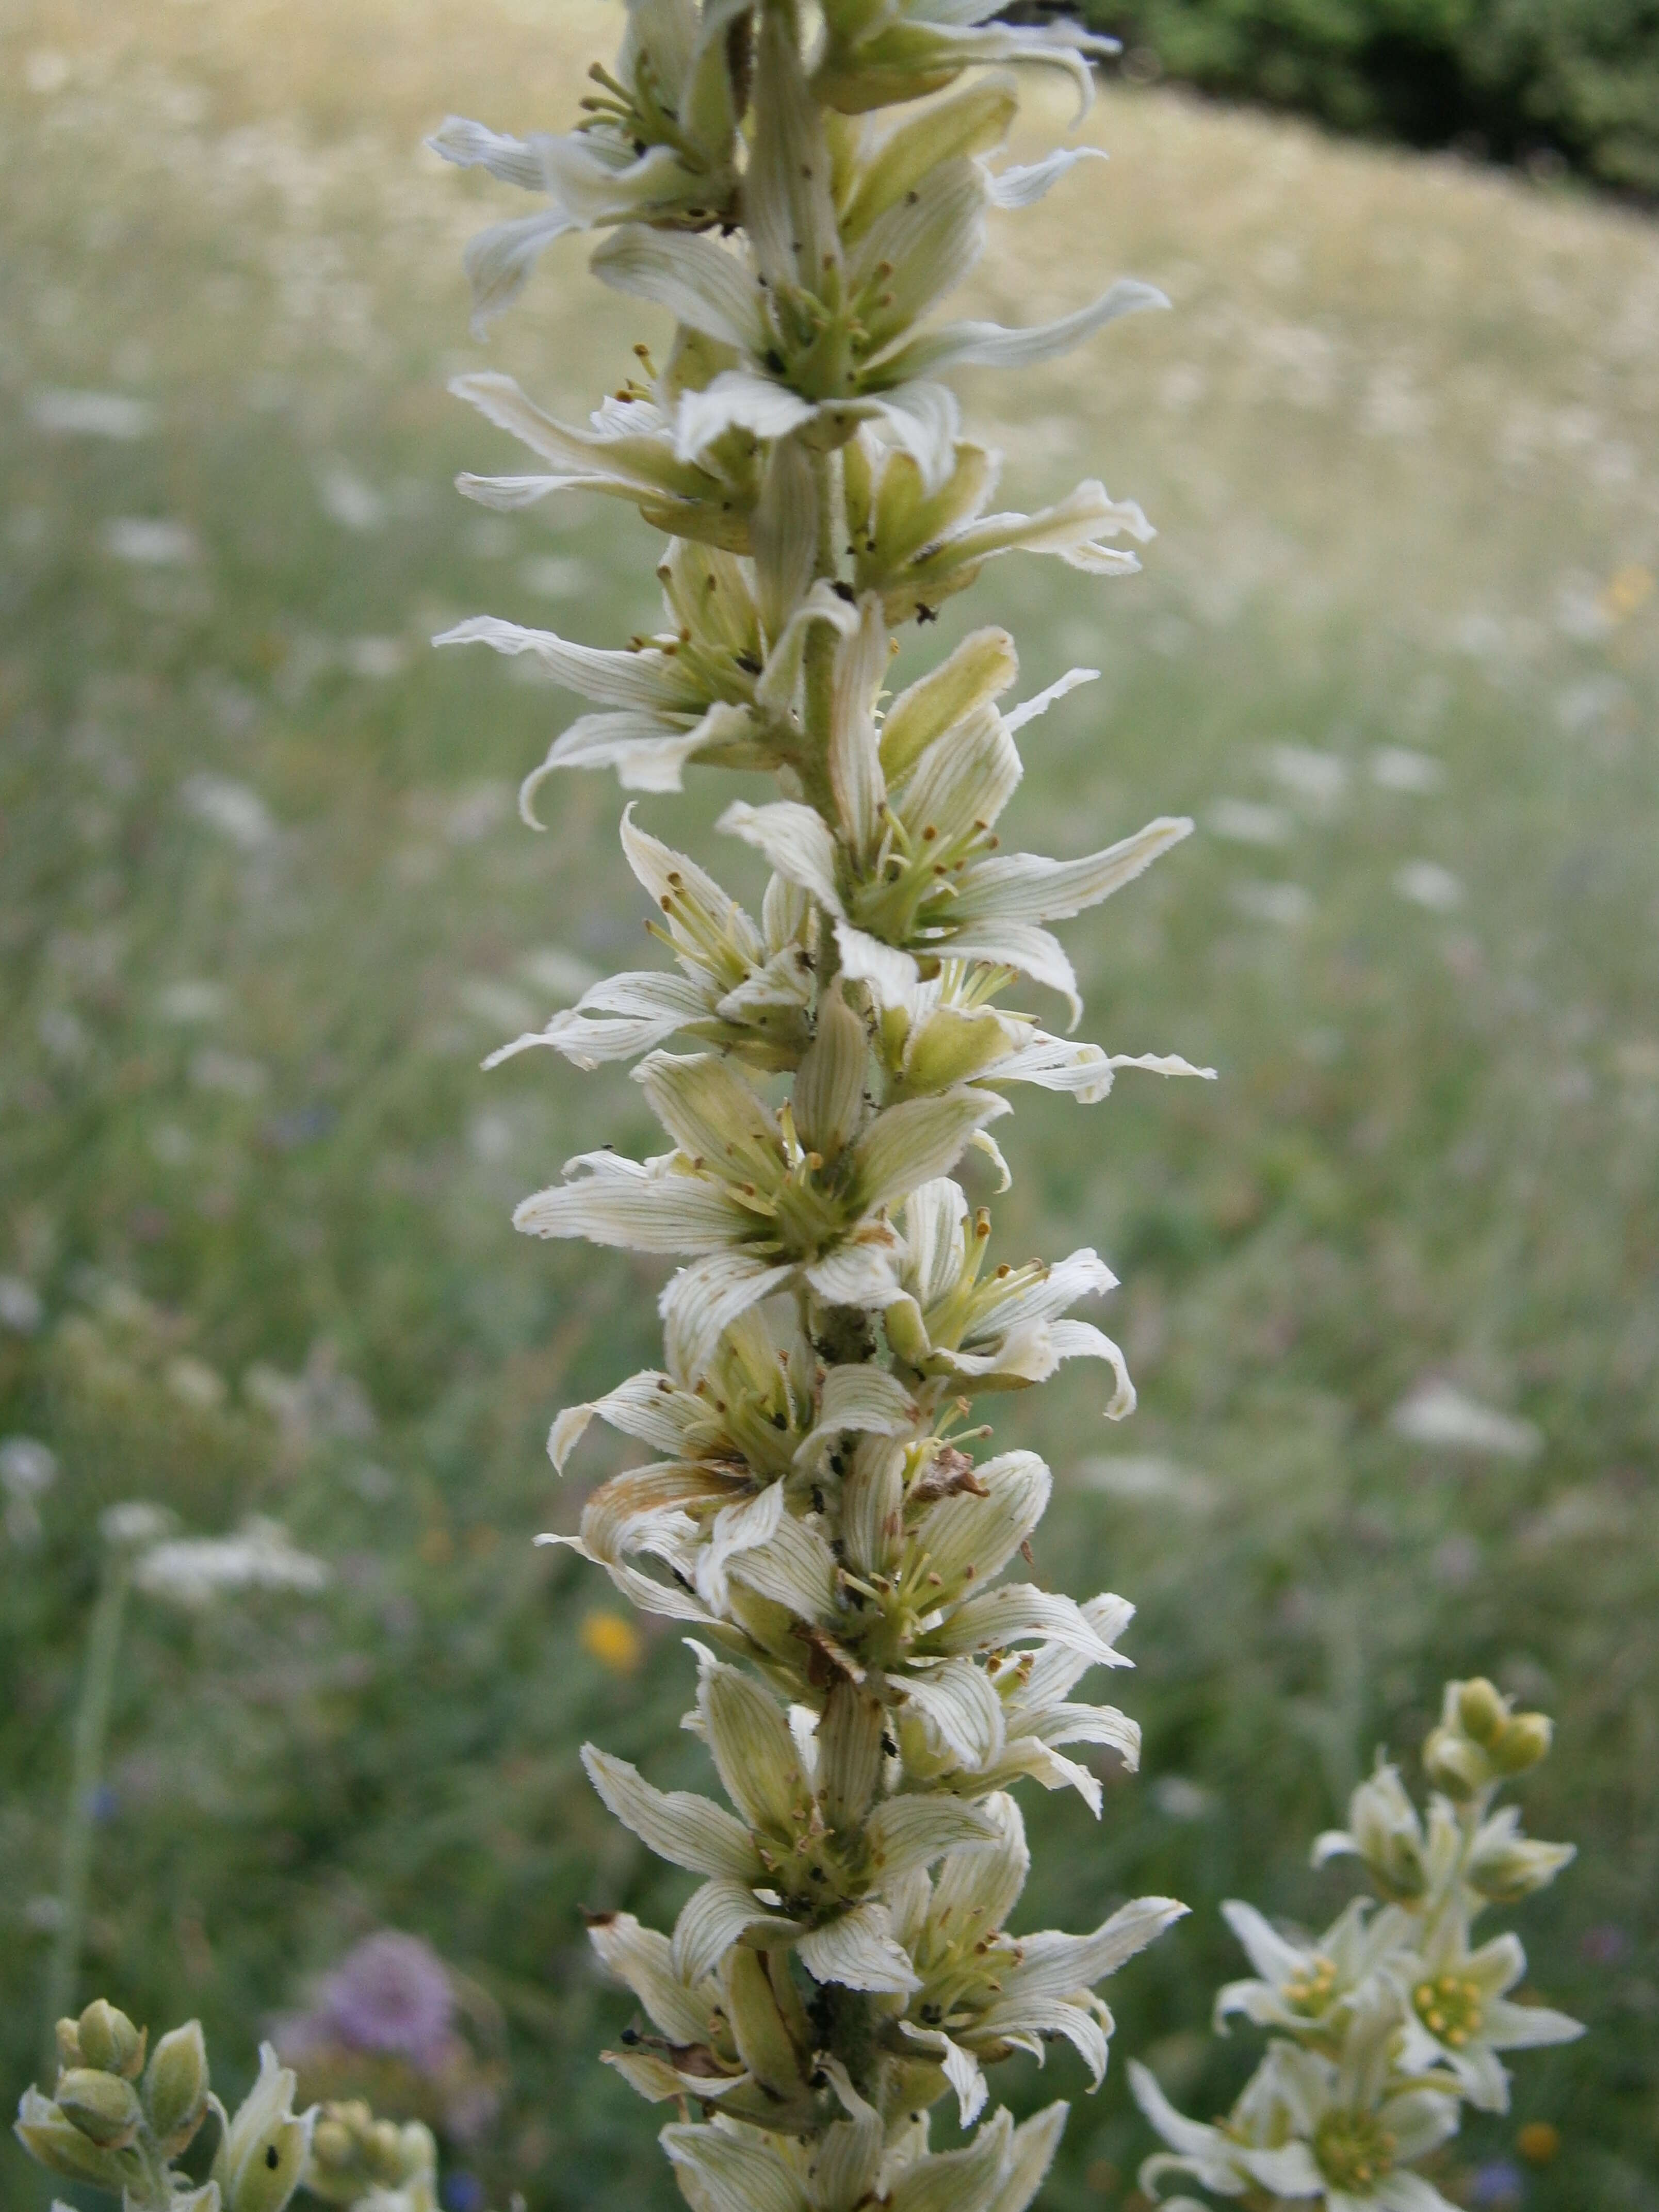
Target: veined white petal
point(1021, 1613)
point(737, 399)
point(934, 1216)
point(648, 678)
point(1031, 2153)
point(787, 207)
point(964, 2180)
point(1056, 1064)
point(891, 974)
point(1080, 1274)
point(754, 1752)
point(859, 1952)
point(474, 146)
point(978, 671)
point(736, 1528)
point(873, 1504)
point(988, 345)
point(862, 1398)
point(861, 1274)
point(775, 689)
point(923, 419)
point(829, 1094)
point(783, 533)
point(499, 260)
point(1025, 888)
point(617, 1020)
point(964, 779)
point(961, 2068)
point(1081, 1340)
point(916, 1142)
point(1018, 717)
point(794, 1568)
point(713, 1918)
point(712, 1114)
point(643, 1961)
point(644, 1406)
point(698, 281)
point(1023, 946)
point(686, 1830)
point(689, 1214)
point(1023, 184)
point(670, 877)
point(913, 1831)
point(701, 1303)
point(854, 755)
point(790, 838)
point(649, 752)
point(961, 1711)
point(1052, 1965)
point(734, 2170)
point(919, 249)
point(967, 1534)
point(656, 2079)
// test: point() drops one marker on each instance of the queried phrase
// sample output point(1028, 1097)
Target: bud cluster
point(118, 2124)
point(1384, 2027)
point(799, 186)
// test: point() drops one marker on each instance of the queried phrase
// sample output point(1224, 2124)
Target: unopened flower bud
point(109, 2041)
point(1387, 1833)
point(1507, 1867)
point(333, 2146)
point(52, 2139)
point(1524, 1742)
point(1480, 1710)
point(176, 2088)
point(105, 2107)
point(69, 2045)
point(1455, 1764)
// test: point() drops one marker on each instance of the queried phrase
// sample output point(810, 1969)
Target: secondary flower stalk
point(1384, 2027)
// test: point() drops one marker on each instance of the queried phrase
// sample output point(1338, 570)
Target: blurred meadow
point(1392, 1285)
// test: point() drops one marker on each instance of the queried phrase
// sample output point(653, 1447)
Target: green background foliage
point(1558, 82)
point(1398, 436)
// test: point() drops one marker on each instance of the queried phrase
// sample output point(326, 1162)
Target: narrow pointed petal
point(686, 1830)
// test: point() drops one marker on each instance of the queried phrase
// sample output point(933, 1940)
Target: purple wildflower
point(391, 1994)
point(1497, 2187)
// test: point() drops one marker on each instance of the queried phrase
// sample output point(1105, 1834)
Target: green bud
point(104, 2107)
point(69, 2045)
point(1523, 1742)
point(176, 2088)
point(57, 2143)
point(109, 2041)
point(1455, 1765)
point(1506, 1868)
point(952, 1047)
point(1480, 1710)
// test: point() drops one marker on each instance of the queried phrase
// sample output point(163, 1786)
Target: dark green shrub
point(1560, 81)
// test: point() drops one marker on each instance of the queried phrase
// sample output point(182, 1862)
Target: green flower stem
point(90, 1740)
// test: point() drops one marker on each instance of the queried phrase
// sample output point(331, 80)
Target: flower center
point(1449, 2008)
point(1353, 2149)
point(1310, 1989)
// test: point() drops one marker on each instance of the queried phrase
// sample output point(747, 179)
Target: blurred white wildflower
point(1397, 767)
point(20, 1309)
point(27, 1470)
point(133, 1523)
point(1427, 883)
point(1247, 822)
point(150, 542)
point(1287, 905)
point(91, 413)
point(234, 809)
point(190, 1000)
point(1440, 1415)
point(1318, 779)
point(192, 1570)
point(346, 500)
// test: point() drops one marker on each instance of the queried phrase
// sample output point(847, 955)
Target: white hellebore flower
point(1461, 2015)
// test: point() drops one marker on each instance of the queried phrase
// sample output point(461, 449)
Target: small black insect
point(273, 2157)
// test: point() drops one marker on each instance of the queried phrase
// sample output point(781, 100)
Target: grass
point(264, 907)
